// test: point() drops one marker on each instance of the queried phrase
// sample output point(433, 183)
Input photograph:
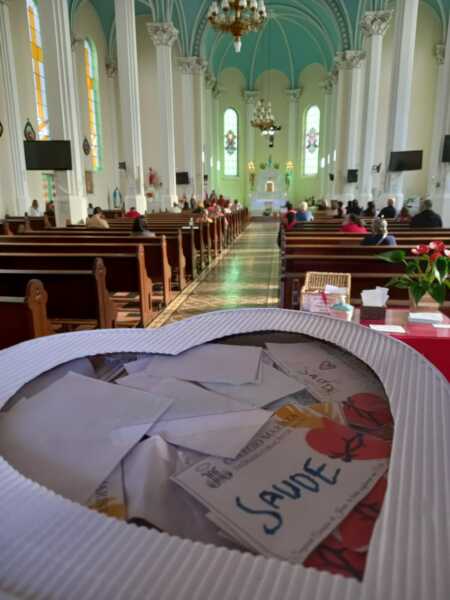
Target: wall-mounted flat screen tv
point(183, 178)
point(52, 155)
point(406, 161)
point(446, 152)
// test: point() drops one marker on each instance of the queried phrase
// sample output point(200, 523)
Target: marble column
point(210, 154)
point(200, 125)
point(293, 133)
point(401, 89)
point(129, 104)
point(111, 72)
point(13, 121)
point(325, 132)
point(186, 66)
point(338, 158)
point(331, 134)
point(164, 36)
point(349, 63)
point(373, 25)
point(250, 98)
point(218, 136)
point(63, 109)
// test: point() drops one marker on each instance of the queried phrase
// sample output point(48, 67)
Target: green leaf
point(438, 293)
point(441, 265)
point(418, 291)
point(395, 256)
point(412, 267)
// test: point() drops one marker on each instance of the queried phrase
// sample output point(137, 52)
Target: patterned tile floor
point(246, 276)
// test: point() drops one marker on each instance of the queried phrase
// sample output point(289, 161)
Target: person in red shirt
point(353, 224)
point(133, 213)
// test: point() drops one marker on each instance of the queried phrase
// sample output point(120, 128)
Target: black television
point(352, 176)
point(446, 151)
point(182, 178)
point(54, 155)
point(406, 161)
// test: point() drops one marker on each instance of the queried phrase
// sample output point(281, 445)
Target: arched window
point(34, 29)
point(312, 141)
point(231, 148)
point(91, 68)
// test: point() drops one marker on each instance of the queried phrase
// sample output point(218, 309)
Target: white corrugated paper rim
point(52, 548)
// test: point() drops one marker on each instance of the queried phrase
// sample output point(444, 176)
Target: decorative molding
point(210, 80)
point(74, 42)
point(376, 22)
point(327, 85)
point(111, 69)
point(216, 91)
point(439, 54)
point(162, 34)
point(294, 94)
point(250, 97)
point(190, 65)
point(350, 59)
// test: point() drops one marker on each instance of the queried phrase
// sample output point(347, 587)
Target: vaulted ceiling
point(299, 32)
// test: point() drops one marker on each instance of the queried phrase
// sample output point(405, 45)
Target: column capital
point(250, 96)
point(350, 59)
point(190, 65)
point(216, 91)
point(439, 53)
point(162, 34)
point(111, 69)
point(327, 85)
point(376, 22)
point(294, 94)
point(210, 80)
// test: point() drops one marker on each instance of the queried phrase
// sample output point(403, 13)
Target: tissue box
point(373, 313)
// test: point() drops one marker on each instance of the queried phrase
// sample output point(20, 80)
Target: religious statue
point(153, 179)
point(117, 198)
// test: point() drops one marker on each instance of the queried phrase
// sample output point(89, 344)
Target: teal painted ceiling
point(298, 32)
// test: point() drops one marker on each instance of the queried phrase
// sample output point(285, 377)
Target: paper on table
point(274, 385)
point(328, 373)
point(441, 326)
point(426, 317)
point(155, 500)
point(64, 436)
point(388, 328)
point(210, 363)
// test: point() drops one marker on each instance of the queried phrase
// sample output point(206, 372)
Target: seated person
point(97, 221)
point(176, 208)
point(323, 205)
point(370, 211)
point(427, 217)
point(388, 212)
point(90, 209)
point(186, 206)
point(303, 214)
point(289, 218)
point(133, 213)
point(354, 208)
point(34, 210)
point(404, 216)
point(339, 211)
point(353, 224)
point(380, 235)
point(139, 228)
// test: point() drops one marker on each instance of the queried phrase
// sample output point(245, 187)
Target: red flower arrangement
point(426, 273)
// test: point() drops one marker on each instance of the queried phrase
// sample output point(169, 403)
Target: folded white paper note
point(388, 328)
point(377, 297)
point(425, 317)
point(66, 438)
point(210, 363)
point(441, 325)
point(274, 385)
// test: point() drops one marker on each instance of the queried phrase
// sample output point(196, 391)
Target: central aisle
point(247, 276)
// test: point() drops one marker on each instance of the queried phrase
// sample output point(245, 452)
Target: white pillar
point(373, 25)
point(200, 125)
point(129, 103)
point(338, 159)
point(13, 121)
point(349, 63)
point(63, 108)
point(401, 88)
point(210, 82)
point(218, 137)
point(325, 133)
point(163, 36)
point(111, 72)
point(185, 65)
point(293, 133)
point(332, 89)
point(250, 98)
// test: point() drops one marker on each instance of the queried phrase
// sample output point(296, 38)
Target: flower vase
point(425, 304)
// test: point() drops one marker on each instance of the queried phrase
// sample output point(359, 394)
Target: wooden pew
point(24, 317)
point(75, 297)
point(125, 270)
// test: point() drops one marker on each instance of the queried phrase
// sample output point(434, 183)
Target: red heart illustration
point(339, 441)
point(332, 556)
point(368, 411)
point(357, 528)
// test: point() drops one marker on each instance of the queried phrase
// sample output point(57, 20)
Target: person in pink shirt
point(133, 213)
point(353, 224)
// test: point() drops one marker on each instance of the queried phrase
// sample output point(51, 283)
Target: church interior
point(226, 223)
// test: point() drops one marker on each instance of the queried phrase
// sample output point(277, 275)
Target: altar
point(270, 195)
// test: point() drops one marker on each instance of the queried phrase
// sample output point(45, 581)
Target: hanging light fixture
point(237, 17)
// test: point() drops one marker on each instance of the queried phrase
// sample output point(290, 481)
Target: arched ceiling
point(298, 32)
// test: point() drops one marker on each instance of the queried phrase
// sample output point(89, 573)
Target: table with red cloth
point(431, 342)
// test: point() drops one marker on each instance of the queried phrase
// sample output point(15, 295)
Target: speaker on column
point(352, 176)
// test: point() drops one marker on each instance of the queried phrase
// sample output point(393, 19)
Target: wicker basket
point(316, 282)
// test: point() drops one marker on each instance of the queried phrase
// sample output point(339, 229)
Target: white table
point(52, 548)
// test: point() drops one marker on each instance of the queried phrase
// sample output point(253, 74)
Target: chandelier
point(237, 17)
point(263, 118)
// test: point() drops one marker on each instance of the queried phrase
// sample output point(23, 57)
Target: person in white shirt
point(34, 210)
point(176, 208)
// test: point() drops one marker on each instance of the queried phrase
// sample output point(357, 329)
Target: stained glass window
point(91, 68)
point(312, 141)
point(48, 185)
point(34, 30)
point(231, 148)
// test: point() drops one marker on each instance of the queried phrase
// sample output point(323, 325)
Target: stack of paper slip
point(426, 317)
point(377, 297)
